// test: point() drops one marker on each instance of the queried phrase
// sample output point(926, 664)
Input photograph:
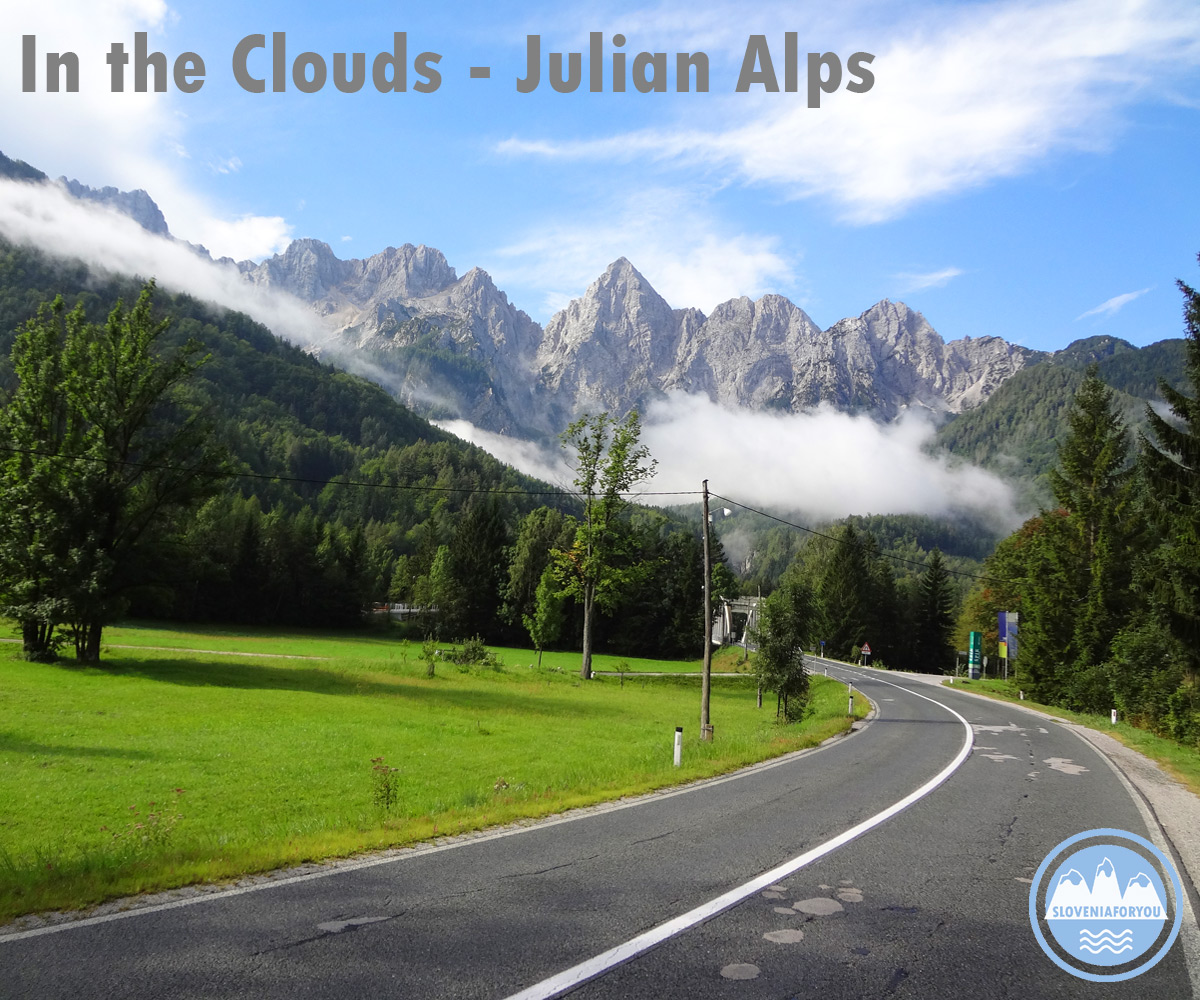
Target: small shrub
point(472, 653)
point(385, 785)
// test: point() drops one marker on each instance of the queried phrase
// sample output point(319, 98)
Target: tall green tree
point(844, 593)
point(787, 621)
point(608, 462)
point(1093, 483)
point(104, 475)
point(1171, 466)
point(933, 618)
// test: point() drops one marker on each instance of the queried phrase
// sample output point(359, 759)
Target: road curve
point(940, 906)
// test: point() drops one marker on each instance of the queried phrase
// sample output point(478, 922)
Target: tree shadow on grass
point(318, 680)
point(14, 743)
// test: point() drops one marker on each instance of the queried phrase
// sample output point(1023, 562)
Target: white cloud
point(229, 165)
point(690, 259)
point(128, 140)
point(930, 279)
point(963, 95)
point(46, 217)
point(822, 464)
point(1110, 307)
point(526, 456)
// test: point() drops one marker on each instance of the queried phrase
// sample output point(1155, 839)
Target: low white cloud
point(1110, 307)
point(820, 464)
point(128, 140)
point(669, 235)
point(526, 456)
point(930, 279)
point(824, 463)
point(963, 95)
point(46, 217)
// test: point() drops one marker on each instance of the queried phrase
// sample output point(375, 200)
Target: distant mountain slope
point(1017, 430)
point(282, 411)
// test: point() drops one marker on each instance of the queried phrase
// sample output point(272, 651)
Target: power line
point(231, 474)
point(834, 538)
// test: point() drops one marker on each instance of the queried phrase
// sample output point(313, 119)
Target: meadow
point(164, 767)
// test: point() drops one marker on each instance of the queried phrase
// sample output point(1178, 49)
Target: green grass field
point(159, 769)
point(1180, 761)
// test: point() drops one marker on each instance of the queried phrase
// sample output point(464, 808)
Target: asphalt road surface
point(928, 902)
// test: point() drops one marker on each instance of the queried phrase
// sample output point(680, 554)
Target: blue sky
point(1026, 170)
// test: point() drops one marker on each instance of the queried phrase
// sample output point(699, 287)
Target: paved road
point(939, 911)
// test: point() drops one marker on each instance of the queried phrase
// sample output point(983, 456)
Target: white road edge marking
point(579, 974)
point(408, 853)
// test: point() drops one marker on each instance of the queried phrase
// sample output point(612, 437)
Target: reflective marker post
point(850, 710)
point(678, 745)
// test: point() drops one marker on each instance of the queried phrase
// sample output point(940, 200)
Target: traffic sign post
point(975, 656)
point(865, 654)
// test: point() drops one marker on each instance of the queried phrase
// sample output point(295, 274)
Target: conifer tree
point(1171, 466)
point(933, 618)
point(844, 593)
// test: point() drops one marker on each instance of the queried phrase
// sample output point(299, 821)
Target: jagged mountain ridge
point(456, 347)
point(621, 345)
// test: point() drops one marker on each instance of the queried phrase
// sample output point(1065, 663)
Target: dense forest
point(1106, 577)
point(337, 497)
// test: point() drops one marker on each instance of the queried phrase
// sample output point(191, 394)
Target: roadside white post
point(678, 745)
point(850, 710)
point(1114, 716)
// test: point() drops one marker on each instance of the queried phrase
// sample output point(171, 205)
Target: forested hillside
point(344, 497)
point(1017, 430)
point(1105, 577)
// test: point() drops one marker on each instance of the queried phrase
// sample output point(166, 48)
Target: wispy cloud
point(228, 165)
point(670, 235)
point(1110, 307)
point(131, 140)
point(45, 216)
point(832, 465)
point(963, 96)
point(931, 279)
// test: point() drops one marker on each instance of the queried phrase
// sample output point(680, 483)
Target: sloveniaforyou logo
point(1104, 905)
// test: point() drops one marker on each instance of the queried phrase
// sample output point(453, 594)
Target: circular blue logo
point(1104, 905)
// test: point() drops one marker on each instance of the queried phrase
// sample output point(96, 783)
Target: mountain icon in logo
point(1114, 922)
point(1073, 899)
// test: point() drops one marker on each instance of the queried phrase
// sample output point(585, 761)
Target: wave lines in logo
point(1106, 940)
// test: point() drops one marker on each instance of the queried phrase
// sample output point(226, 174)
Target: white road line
point(597, 966)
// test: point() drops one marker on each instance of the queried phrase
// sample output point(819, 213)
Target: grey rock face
point(448, 346)
point(138, 205)
point(620, 345)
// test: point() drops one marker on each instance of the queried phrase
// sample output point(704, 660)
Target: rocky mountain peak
point(138, 205)
point(409, 271)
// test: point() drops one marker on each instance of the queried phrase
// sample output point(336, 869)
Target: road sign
point(975, 655)
point(866, 647)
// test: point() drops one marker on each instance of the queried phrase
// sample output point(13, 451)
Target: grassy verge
point(158, 770)
point(1182, 763)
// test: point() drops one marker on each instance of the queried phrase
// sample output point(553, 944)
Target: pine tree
point(933, 618)
point(844, 594)
point(1171, 466)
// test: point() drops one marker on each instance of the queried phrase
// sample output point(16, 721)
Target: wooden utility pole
point(706, 729)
